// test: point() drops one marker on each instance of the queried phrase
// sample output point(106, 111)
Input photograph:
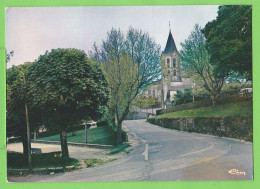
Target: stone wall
point(240, 127)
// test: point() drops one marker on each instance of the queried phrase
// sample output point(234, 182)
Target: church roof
point(170, 45)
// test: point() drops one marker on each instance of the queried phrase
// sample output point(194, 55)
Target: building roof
point(170, 45)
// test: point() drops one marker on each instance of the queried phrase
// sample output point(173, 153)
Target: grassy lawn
point(45, 160)
point(242, 108)
point(99, 135)
point(96, 162)
point(119, 148)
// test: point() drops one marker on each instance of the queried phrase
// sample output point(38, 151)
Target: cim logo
point(236, 172)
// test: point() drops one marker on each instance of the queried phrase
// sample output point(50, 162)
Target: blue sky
point(30, 31)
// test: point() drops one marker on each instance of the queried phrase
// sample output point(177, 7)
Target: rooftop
point(170, 45)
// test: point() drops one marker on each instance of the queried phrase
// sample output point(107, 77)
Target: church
point(171, 79)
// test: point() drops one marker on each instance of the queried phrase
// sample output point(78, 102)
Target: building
point(171, 79)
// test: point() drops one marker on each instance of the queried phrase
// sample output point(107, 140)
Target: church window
point(174, 63)
point(174, 73)
point(168, 62)
point(153, 92)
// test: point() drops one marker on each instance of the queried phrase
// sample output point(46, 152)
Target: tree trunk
point(119, 133)
point(25, 145)
point(214, 100)
point(63, 142)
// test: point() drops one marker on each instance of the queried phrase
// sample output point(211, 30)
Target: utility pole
point(28, 133)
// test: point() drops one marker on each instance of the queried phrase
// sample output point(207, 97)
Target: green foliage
point(146, 102)
point(183, 97)
point(195, 60)
point(45, 160)
point(229, 40)
point(15, 104)
point(131, 62)
point(96, 162)
point(228, 89)
point(238, 108)
point(119, 148)
point(233, 88)
point(99, 135)
point(67, 87)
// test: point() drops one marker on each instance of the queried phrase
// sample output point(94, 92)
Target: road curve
point(168, 155)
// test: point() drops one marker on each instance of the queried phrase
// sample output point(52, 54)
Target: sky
point(30, 31)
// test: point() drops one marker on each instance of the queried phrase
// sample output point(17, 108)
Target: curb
point(40, 171)
point(75, 144)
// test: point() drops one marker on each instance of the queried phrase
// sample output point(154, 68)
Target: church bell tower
point(170, 64)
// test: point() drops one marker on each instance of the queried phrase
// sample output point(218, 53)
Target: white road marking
point(199, 151)
point(145, 153)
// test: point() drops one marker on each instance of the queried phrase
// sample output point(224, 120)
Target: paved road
point(172, 155)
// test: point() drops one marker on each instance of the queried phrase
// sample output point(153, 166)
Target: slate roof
point(170, 45)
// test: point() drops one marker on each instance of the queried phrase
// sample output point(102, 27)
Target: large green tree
point(229, 40)
point(131, 62)
point(67, 87)
point(15, 104)
point(195, 61)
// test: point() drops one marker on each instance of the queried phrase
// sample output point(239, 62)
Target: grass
point(45, 160)
point(242, 108)
point(99, 135)
point(119, 148)
point(96, 162)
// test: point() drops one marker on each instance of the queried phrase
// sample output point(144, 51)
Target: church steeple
point(170, 45)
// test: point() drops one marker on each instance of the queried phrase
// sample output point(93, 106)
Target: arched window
point(153, 92)
point(168, 62)
point(174, 72)
point(174, 63)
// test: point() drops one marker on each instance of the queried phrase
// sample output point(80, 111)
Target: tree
point(15, 104)
point(195, 60)
point(146, 102)
point(67, 87)
point(183, 97)
point(9, 55)
point(131, 63)
point(229, 40)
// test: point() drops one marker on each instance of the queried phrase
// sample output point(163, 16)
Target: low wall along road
point(240, 127)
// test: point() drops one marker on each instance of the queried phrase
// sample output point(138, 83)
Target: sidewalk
point(76, 152)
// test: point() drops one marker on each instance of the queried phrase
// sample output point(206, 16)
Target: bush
point(182, 98)
point(102, 123)
point(52, 159)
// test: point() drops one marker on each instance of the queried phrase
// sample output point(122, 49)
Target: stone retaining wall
point(240, 127)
